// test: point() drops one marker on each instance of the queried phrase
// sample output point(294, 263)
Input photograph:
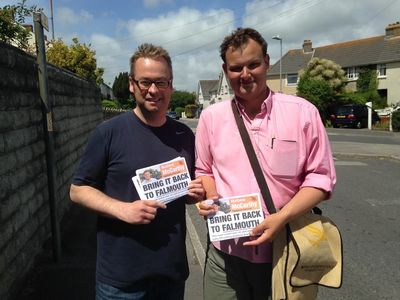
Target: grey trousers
point(229, 277)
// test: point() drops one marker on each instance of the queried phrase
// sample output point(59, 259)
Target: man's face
point(152, 101)
point(246, 69)
point(147, 175)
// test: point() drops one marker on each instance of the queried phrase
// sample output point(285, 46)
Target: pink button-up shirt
point(292, 148)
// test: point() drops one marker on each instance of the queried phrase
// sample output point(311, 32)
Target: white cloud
point(67, 17)
point(193, 45)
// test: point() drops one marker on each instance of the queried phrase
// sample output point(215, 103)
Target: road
point(366, 208)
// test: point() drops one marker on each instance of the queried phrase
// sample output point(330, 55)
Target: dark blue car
point(353, 115)
point(173, 115)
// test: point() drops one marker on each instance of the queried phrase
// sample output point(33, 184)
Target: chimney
point(393, 30)
point(307, 46)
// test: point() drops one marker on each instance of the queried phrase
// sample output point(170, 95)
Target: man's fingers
point(154, 203)
point(256, 240)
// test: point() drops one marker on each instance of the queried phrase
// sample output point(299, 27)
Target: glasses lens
point(162, 84)
point(144, 84)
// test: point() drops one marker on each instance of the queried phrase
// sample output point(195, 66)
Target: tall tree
point(121, 88)
point(11, 18)
point(78, 59)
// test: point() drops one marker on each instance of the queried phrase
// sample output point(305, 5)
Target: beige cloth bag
point(306, 253)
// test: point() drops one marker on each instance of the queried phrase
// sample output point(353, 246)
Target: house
point(107, 92)
point(203, 92)
point(381, 52)
point(213, 91)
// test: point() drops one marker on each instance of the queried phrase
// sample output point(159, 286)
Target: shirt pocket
point(283, 158)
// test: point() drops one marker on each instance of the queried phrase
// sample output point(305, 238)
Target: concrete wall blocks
point(24, 197)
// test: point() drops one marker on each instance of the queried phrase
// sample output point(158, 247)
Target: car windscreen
point(344, 110)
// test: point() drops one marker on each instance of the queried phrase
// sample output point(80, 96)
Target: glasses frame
point(151, 83)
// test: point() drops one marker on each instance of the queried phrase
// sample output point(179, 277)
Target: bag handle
point(269, 203)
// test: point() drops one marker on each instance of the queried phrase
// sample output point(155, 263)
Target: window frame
point(381, 67)
point(292, 76)
point(352, 73)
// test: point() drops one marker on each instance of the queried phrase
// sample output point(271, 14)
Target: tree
point(367, 80)
point(11, 18)
point(181, 99)
point(321, 83)
point(367, 86)
point(99, 76)
point(121, 88)
point(78, 59)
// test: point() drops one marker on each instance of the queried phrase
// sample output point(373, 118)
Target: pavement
point(73, 277)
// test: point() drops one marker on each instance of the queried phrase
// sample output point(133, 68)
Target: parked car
point(353, 115)
point(173, 115)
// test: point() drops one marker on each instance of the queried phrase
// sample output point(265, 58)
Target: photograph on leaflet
point(234, 217)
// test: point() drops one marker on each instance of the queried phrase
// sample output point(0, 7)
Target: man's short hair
point(239, 38)
point(149, 51)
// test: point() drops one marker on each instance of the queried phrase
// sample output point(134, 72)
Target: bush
point(189, 115)
point(353, 98)
point(179, 111)
point(110, 104)
point(396, 120)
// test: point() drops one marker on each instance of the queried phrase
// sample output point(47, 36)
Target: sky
point(192, 30)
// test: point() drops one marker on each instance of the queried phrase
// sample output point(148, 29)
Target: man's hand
point(139, 212)
point(205, 209)
point(196, 191)
point(269, 229)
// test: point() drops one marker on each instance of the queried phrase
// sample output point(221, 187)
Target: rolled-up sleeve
point(319, 166)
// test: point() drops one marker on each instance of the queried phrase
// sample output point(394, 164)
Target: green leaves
point(11, 18)
point(78, 59)
point(181, 99)
point(121, 89)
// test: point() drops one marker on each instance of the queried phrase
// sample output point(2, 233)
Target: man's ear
point(131, 83)
point(225, 68)
point(266, 59)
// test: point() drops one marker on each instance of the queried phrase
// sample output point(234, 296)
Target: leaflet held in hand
point(234, 217)
point(164, 182)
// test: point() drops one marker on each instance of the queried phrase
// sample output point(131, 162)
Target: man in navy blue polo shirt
point(141, 243)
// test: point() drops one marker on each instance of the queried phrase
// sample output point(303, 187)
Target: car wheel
point(335, 126)
point(358, 125)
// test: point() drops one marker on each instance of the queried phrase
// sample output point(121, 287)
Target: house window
point(226, 89)
point(382, 70)
point(352, 73)
point(291, 79)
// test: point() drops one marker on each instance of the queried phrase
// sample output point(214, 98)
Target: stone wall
point(24, 198)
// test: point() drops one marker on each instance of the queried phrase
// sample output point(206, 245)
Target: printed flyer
point(163, 182)
point(234, 217)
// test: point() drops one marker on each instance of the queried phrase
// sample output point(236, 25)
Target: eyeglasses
point(146, 84)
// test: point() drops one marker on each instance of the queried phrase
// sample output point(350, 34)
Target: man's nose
point(153, 88)
point(245, 72)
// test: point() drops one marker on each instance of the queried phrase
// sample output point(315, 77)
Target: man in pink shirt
point(292, 148)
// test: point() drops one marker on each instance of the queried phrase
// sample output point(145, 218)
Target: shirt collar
point(265, 106)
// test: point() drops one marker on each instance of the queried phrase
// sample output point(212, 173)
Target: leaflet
point(164, 182)
point(235, 217)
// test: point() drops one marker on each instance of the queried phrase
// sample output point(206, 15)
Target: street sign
point(45, 21)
